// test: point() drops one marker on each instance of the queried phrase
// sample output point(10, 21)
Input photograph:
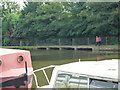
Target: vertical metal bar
point(1, 33)
point(88, 82)
point(46, 76)
point(36, 80)
point(118, 74)
point(1, 16)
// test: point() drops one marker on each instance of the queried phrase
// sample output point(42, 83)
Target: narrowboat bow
point(15, 68)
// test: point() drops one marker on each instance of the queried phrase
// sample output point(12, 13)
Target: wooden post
point(73, 40)
point(88, 40)
point(21, 42)
point(59, 41)
point(106, 40)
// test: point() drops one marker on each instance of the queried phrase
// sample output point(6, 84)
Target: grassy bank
point(35, 47)
point(59, 47)
point(20, 47)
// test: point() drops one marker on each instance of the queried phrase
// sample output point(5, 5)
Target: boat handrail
point(42, 69)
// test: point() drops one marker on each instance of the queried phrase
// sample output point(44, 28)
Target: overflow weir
point(84, 48)
point(66, 48)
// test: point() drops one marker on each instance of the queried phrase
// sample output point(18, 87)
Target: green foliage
point(10, 17)
point(49, 20)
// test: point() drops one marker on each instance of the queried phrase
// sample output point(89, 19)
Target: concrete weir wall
point(79, 48)
point(84, 48)
point(65, 48)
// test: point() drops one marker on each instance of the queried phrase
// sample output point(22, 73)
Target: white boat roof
point(104, 69)
point(4, 51)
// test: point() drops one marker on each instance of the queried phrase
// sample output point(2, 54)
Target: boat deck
point(4, 51)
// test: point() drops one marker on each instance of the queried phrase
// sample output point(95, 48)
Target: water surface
point(43, 58)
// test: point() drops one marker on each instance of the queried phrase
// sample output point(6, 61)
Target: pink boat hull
point(15, 69)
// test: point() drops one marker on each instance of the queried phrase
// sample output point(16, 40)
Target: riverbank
point(66, 47)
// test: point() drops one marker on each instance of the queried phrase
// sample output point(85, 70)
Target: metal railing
point(45, 74)
point(114, 40)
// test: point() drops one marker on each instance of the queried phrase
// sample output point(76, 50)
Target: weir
point(79, 48)
point(65, 48)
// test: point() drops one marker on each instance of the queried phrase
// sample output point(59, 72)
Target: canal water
point(43, 58)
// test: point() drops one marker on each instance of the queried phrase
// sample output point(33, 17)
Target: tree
point(10, 15)
point(102, 18)
point(49, 20)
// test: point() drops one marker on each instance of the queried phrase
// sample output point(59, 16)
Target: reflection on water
point(51, 55)
point(42, 58)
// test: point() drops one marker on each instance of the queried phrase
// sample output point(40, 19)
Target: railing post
point(42, 69)
point(1, 30)
point(46, 76)
point(35, 77)
point(88, 39)
point(106, 40)
point(73, 40)
point(21, 42)
point(59, 41)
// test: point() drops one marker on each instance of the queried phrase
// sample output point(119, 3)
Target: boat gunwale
point(5, 51)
